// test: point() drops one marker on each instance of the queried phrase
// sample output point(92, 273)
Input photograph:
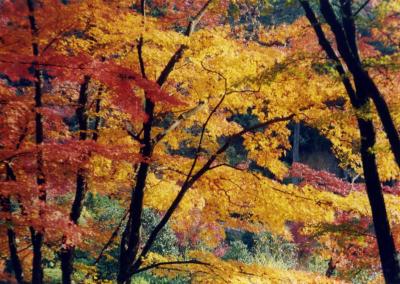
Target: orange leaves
point(179, 12)
point(122, 81)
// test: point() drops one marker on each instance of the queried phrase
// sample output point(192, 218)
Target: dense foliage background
point(246, 141)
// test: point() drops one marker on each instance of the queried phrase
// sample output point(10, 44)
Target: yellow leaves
point(210, 269)
point(160, 192)
point(217, 199)
point(152, 258)
point(107, 175)
point(222, 127)
point(267, 147)
point(90, 274)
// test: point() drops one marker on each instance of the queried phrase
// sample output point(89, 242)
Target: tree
point(160, 107)
point(365, 88)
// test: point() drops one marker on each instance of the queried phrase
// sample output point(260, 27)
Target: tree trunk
point(37, 236)
point(16, 263)
point(12, 243)
point(345, 35)
point(296, 148)
point(130, 240)
point(131, 236)
point(365, 89)
point(387, 249)
point(67, 251)
point(37, 242)
point(331, 268)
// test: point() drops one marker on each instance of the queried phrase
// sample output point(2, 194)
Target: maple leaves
point(193, 127)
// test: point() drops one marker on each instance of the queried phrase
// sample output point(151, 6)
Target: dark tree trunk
point(37, 242)
point(345, 35)
point(97, 119)
point(37, 236)
point(16, 263)
point(12, 243)
point(131, 236)
point(331, 268)
point(387, 249)
point(66, 257)
point(365, 89)
point(130, 240)
point(67, 252)
point(296, 148)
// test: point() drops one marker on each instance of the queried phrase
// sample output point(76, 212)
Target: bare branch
point(361, 8)
point(193, 23)
point(140, 55)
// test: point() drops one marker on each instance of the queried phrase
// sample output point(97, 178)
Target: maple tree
point(136, 137)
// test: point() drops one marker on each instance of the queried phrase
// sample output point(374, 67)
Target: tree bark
point(331, 268)
point(345, 35)
point(130, 240)
point(12, 242)
point(67, 251)
point(359, 97)
point(387, 249)
point(296, 148)
point(37, 236)
point(15, 260)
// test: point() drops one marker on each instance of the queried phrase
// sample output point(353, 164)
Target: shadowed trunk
point(37, 236)
point(130, 240)
point(12, 243)
point(131, 236)
point(67, 251)
point(345, 35)
point(387, 249)
point(365, 89)
point(331, 268)
point(296, 148)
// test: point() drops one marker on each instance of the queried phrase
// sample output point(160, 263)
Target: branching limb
point(179, 52)
point(190, 180)
point(131, 132)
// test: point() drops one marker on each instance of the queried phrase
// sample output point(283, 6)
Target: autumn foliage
point(155, 141)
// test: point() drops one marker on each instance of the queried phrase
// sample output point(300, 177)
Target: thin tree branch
point(179, 52)
point(112, 237)
point(361, 8)
point(129, 130)
point(193, 23)
point(178, 121)
point(189, 183)
point(155, 265)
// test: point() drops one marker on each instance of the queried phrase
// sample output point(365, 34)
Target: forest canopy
point(199, 141)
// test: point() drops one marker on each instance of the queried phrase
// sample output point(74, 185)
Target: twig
point(361, 7)
point(112, 237)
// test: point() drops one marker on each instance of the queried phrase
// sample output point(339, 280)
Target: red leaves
point(178, 13)
point(122, 81)
point(320, 179)
point(329, 182)
point(16, 66)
